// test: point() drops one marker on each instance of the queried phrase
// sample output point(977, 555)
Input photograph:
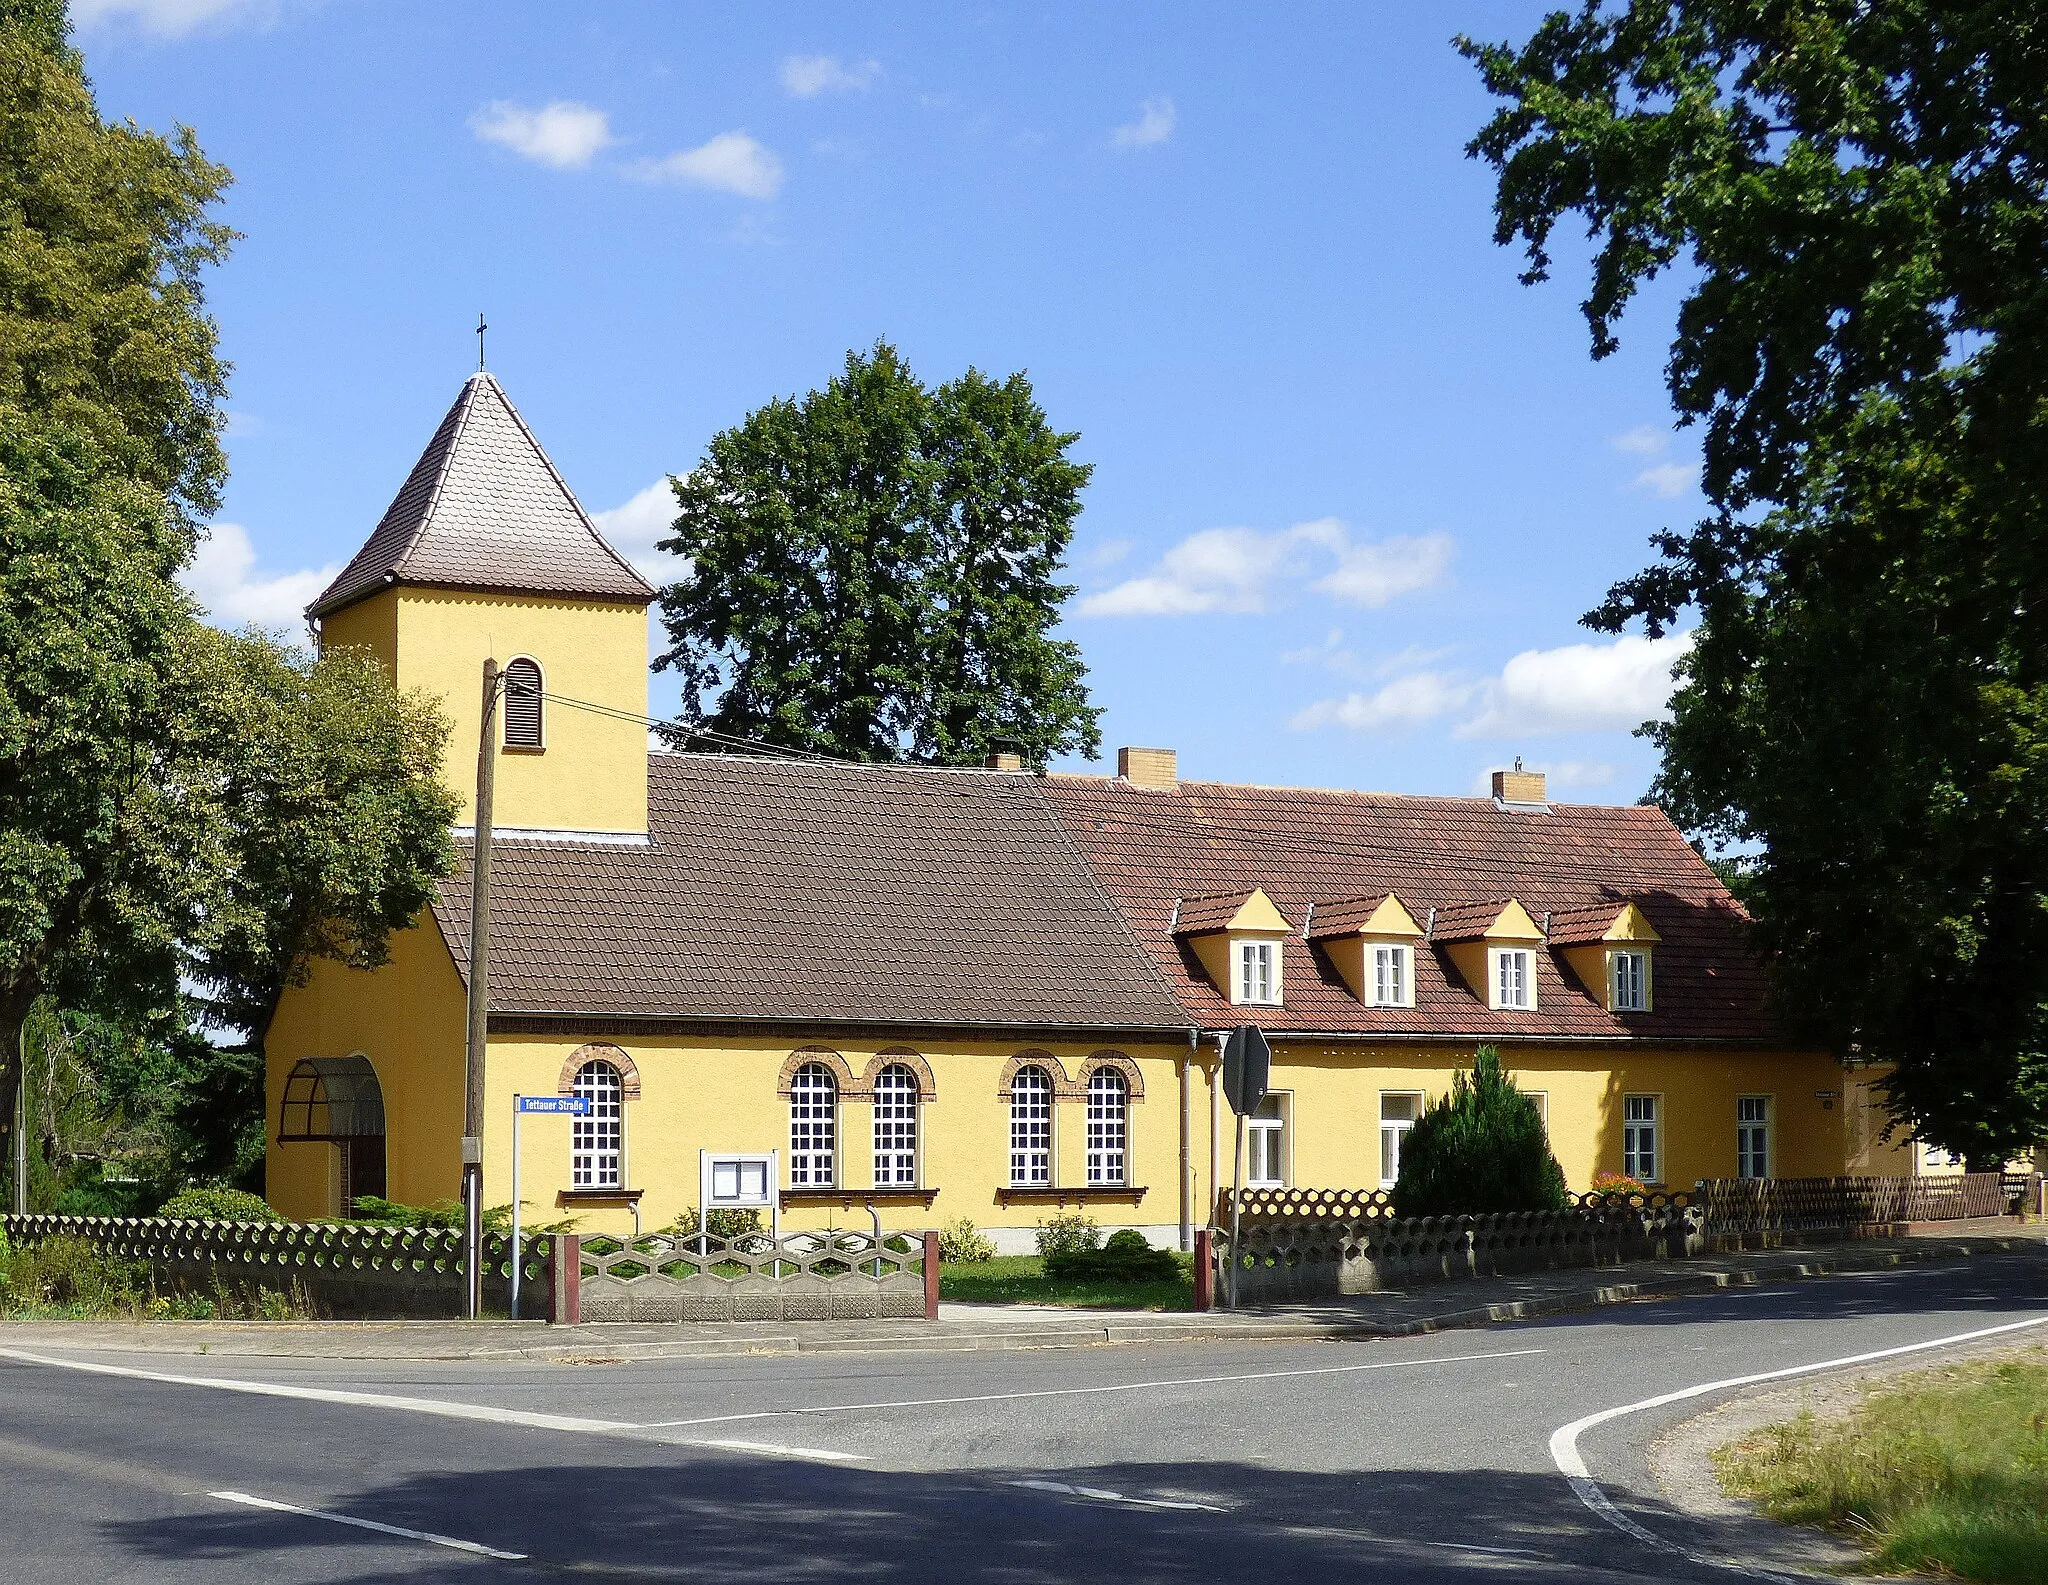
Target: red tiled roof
point(1203, 915)
point(1466, 921)
point(1150, 849)
point(1345, 917)
point(1575, 927)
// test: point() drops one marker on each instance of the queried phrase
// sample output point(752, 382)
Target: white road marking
point(777, 1450)
point(366, 1400)
point(428, 1536)
point(1077, 1392)
point(1564, 1441)
point(1063, 1489)
point(1497, 1551)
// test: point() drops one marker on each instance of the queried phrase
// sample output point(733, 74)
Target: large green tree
point(872, 572)
point(1855, 198)
point(176, 804)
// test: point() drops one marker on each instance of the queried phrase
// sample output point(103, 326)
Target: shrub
point(218, 1205)
point(67, 1272)
point(961, 1244)
point(1479, 1150)
point(394, 1213)
point(1065, 1235)
point(1125, 1258)
point(723, 1222)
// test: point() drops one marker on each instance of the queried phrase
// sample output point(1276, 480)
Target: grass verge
point(1021, 1279)
point(1942, 1471)
point(63, 1278)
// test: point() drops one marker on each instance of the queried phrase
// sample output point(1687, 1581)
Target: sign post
point(1247, 1064)
point(552, 1105)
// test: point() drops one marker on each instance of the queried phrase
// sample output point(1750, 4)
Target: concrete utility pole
point(479, 1002)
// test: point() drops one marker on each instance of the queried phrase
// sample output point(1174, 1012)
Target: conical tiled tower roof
point(483, 508)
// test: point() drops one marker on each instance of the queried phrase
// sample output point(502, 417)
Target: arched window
point(523, 689)
point(1108, 1126)
point(1031, 1127)
point(597, 1138)
point(813, 1127)
point(896, 1128)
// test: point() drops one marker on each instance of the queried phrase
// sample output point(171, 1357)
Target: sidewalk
point(975, 1327)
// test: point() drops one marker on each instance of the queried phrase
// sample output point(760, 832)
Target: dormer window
point(1258, 973)
point(1370, 942)
point(1609, 946)
point(1628, 981)
point(1514, 979)
point(1392, 976)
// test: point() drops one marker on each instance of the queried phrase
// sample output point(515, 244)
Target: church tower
point(485, 552)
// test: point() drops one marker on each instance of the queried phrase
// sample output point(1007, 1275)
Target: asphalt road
point(1423, 1458)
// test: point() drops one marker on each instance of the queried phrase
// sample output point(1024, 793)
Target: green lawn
point(1943, 1472)
point(1020, 1279)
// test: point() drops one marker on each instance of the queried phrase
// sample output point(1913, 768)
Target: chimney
point(1154, 768)
point(1003, 762)
point(1520, 787)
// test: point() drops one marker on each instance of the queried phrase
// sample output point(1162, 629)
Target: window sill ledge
point(1093, 1194)
point(852, 1199)
point(598, 1196)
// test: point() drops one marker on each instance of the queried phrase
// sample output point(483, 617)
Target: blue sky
point(1353, 483)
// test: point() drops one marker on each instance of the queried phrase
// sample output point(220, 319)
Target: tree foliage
point(871, 572)
point(1857, 199)
point(1480, 1149)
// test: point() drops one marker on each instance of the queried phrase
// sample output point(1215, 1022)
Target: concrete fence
point(831, 1276)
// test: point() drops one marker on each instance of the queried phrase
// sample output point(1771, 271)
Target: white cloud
point(807, 76)
point(1615, 686)
point(1330, 654)
point(732, 162)
point(1405, 702)
point(221, 577)
point(171, 18)
point(1560, 774)
point(1670, 478)
point(634, 526)
point(563, 134)
point(1645, 440)
point(1156, 121)
point(1243, 570)
point(1107, 554)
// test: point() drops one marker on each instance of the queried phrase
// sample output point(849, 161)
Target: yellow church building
point(922, 994)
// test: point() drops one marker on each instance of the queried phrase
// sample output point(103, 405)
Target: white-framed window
point(1265, 1143)
point(524, 693)
point(1031, 1127)
point(1258, 973)
point(1752, 1136)
point(1628, 981)
point(1641, 1124)
point(1392, 976)
point(1514, 978)
point(896, 1098)
point(813, 1127)
point(1108, 1127)
point(597, 1139)
point(1541, 1100)
point(1398, 1111)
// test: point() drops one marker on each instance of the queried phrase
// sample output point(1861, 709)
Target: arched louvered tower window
point(523, 691)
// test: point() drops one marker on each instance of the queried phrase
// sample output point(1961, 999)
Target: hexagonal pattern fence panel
point(828, 1276)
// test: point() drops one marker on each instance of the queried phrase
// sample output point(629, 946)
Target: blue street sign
point(572, 1105)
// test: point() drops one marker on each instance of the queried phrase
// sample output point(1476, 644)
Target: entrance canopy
point(331, 1098)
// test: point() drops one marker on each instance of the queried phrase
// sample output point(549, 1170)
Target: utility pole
point(21, 1128)
point(479, 1002)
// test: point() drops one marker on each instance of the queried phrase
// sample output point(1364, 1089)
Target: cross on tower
point(481, 327)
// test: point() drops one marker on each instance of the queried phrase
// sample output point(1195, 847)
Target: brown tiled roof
point(789, 892)
point(1466, 921)
point(1446, 853)
point(1345, 917)
point(1197, 916)
point(1574, 927)
point(483, 508)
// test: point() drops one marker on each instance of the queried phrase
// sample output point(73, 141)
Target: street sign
point(1247, 1062)
point(522, 1105)
point(569, 1105)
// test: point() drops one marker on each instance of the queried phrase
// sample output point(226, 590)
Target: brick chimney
point(1004, 762)
point(1519, 786)
point(1154, 768)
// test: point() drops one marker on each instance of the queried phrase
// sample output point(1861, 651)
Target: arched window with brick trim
point(813, 1127)
point(524, 690)
point(1031, 1127)
point(1108, 1127)
point(597, 1139)
point(896, 1098)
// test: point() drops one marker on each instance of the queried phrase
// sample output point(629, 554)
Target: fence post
point(1205, 1271)
point(931, 1275)
point(567, 1283)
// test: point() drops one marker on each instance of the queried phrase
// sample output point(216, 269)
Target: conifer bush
point(1479, 1150)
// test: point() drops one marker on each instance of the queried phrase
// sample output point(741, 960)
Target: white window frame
point(814, 1127)
point(597, 1140)
point(1031, 1117)
point(1394, 1131)
point(1754, 1150)
point(898, 1100)
point(540, 712)
point(1497, 959)
point(1109, 1128)
point(1243, 954)
point(1269, 1143)
point(1628, 990)
point(1382, 956)
point(1642, 1135)
point(1542, 1100)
